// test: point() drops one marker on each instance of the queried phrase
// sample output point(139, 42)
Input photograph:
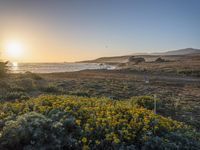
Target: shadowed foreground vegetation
point(67, 122)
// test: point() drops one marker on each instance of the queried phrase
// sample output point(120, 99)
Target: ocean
point(55, 67)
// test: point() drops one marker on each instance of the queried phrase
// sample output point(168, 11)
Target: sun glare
point(14, 49)
point(15, 64)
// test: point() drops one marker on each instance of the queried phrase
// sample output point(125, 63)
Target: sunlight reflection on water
point(14, 66)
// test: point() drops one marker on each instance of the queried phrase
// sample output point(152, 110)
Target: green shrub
point(173, 141)
point(27, 83)
point(32, 76)
point(3, 69)
point(80, 93)
point(51, 88)
point(36, 131)
point(145, 101)
point(195, 73)
point(16, 88)
point(15, 95)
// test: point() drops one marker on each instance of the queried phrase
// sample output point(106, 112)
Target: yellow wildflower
point(84, 140)
point(78, 122)
point(86, 147)
point(116, 140)
point(97, 142)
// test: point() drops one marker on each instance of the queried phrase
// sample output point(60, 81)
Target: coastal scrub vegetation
point(71, 122)
point(3, 69)
point(178, 100)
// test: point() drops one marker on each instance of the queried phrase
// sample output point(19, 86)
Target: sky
point(73, 30)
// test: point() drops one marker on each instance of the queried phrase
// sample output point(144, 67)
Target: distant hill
point(108, 60)
point(147, 56)
point(186, 51)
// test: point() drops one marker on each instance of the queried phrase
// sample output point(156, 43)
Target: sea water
point(55, 67)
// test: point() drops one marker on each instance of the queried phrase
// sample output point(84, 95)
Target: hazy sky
point(71, 30)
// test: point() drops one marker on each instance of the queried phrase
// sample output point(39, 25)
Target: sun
point(14, 49)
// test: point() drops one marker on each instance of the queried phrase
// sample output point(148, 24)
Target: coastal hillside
point(114, 59)
point(171, 55)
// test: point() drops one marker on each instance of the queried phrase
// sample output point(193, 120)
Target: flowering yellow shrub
point(101, 121)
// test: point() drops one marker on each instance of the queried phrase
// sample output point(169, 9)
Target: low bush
point(27, 84)
point(50, 88)
point(15, 96)
point(195, 73)
point(32, 76)
point(3, 69)
point(60, 122)
point(145, 101)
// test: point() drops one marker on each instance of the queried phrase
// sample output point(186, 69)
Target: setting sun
point(14, 49)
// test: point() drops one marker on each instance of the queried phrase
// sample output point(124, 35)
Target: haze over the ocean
point(73, 30)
